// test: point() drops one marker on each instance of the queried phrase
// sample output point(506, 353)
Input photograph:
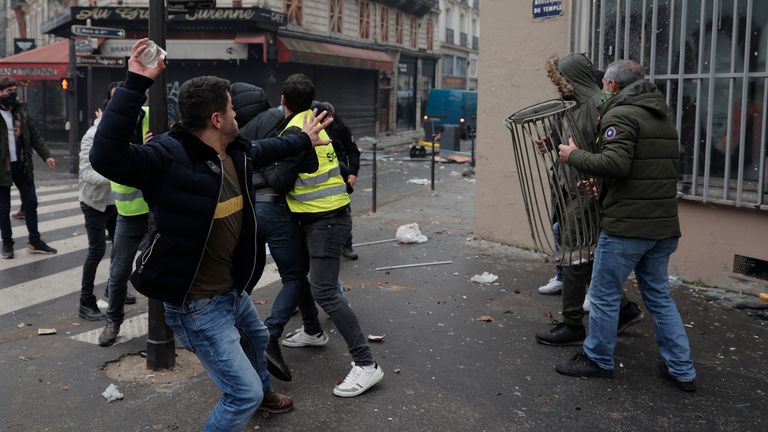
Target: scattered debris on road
point(484, 318)
point(410, 233)
point(46, 331)
point(419, 181)
point(484, 278)
point(376, 338)
point(414, 265)
point(112, 394)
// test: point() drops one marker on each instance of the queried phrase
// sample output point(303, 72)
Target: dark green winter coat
point(27, 139)
point(638, 160)
point(572, 75)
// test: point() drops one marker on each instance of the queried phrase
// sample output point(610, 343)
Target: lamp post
point(161, 351)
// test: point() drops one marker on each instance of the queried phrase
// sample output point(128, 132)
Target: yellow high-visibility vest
point(128, 200)
point(323, 190)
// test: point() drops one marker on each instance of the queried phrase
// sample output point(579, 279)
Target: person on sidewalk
point(637, 161)
point(202, 261)
point(277, 226)
point(98, 207)
point(349, 159)
point(573, 76)
point(320, 201)
point(133, 220)
point(18, 137)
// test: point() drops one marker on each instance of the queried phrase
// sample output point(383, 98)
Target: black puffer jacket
point(180, 177)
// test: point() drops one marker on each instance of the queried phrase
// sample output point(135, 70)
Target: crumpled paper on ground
point(112, 393)
point(484, 278)
point(410, 233)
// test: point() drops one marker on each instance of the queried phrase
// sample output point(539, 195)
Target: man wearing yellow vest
point(320, 201)
point(132, 226)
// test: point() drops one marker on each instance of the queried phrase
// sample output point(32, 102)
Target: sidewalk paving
point(444, 371)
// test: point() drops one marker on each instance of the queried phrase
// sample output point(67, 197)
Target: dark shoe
point(276, 403)
point(7, 251)
point(129, 298)
point(19, 215)
point(686, 386)
point(629, 315)
point(349, 253)
point(275, 362)
point(91, 313)
point(583, 367)
point(109, 334)
point(40, 247)
point(562, 334)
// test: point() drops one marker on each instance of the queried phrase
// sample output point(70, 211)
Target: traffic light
point(67, 84)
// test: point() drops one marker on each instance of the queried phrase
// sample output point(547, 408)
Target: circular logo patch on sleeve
point(610, 133)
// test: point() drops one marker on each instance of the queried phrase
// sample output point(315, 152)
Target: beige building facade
point(709, 82)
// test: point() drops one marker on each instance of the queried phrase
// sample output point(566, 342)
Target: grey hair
point(624, 72)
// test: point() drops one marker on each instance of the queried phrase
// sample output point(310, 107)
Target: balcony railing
point(475, 43)
point(449, 36)
point(463, 40)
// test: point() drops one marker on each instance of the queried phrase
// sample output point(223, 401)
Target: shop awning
point(290, 50)
point(50, 62)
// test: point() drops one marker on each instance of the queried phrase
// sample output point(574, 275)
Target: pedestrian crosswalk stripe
point(53, 208)
point(47, 288)
point(42, 190)
point(75, 194)
point(131, 328)
point(67, 245)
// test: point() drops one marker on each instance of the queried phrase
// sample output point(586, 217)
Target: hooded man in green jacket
point(637, 160)
point(574, 79)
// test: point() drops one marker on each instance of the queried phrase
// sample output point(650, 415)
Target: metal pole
point(72, 142)
point(432, 163)
point(161, 352)
point(374, 180)
point(472, 135)
point(89, 113)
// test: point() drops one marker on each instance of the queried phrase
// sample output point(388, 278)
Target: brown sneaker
point(109, 334)
point(276, 403)
point(19, 215)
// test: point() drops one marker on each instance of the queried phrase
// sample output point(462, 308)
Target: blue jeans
point(129, 232)
point(26, 186)
point(615, 258)
point(229, 339)
point(557, 237)
point(280, 229)
point(96, 228)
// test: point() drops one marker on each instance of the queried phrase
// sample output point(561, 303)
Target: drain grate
point(751, 267)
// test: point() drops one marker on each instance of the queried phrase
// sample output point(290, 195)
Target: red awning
point(50, 62)
point(290, 50)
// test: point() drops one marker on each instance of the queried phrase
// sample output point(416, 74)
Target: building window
point(414, 32)
point(295, 11)
point(460, 67)
point(715, 93)
point(430, 35)
point(384, 24)
point(336, 15)
point(365, 20)
point(448, 65)
point(399, 27)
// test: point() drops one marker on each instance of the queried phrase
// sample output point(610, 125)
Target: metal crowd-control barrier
point(549, 187)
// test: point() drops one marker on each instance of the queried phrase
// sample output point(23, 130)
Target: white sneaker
point(585, 306)
point(300, 338)
point(358, 380)
point(553, 287)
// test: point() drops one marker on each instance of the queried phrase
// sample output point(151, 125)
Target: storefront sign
point(20, 45)
point(547, 8)
point(216, 14)
point(100, 61)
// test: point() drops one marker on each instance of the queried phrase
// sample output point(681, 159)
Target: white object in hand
point(152, 55)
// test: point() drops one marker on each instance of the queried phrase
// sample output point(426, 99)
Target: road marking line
point(75, 243)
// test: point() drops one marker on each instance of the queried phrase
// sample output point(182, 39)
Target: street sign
point(102, 32)
point(100, 61)
point(83, 46)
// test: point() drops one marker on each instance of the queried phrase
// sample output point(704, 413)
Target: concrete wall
point(512, 76)
point(712, 236)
